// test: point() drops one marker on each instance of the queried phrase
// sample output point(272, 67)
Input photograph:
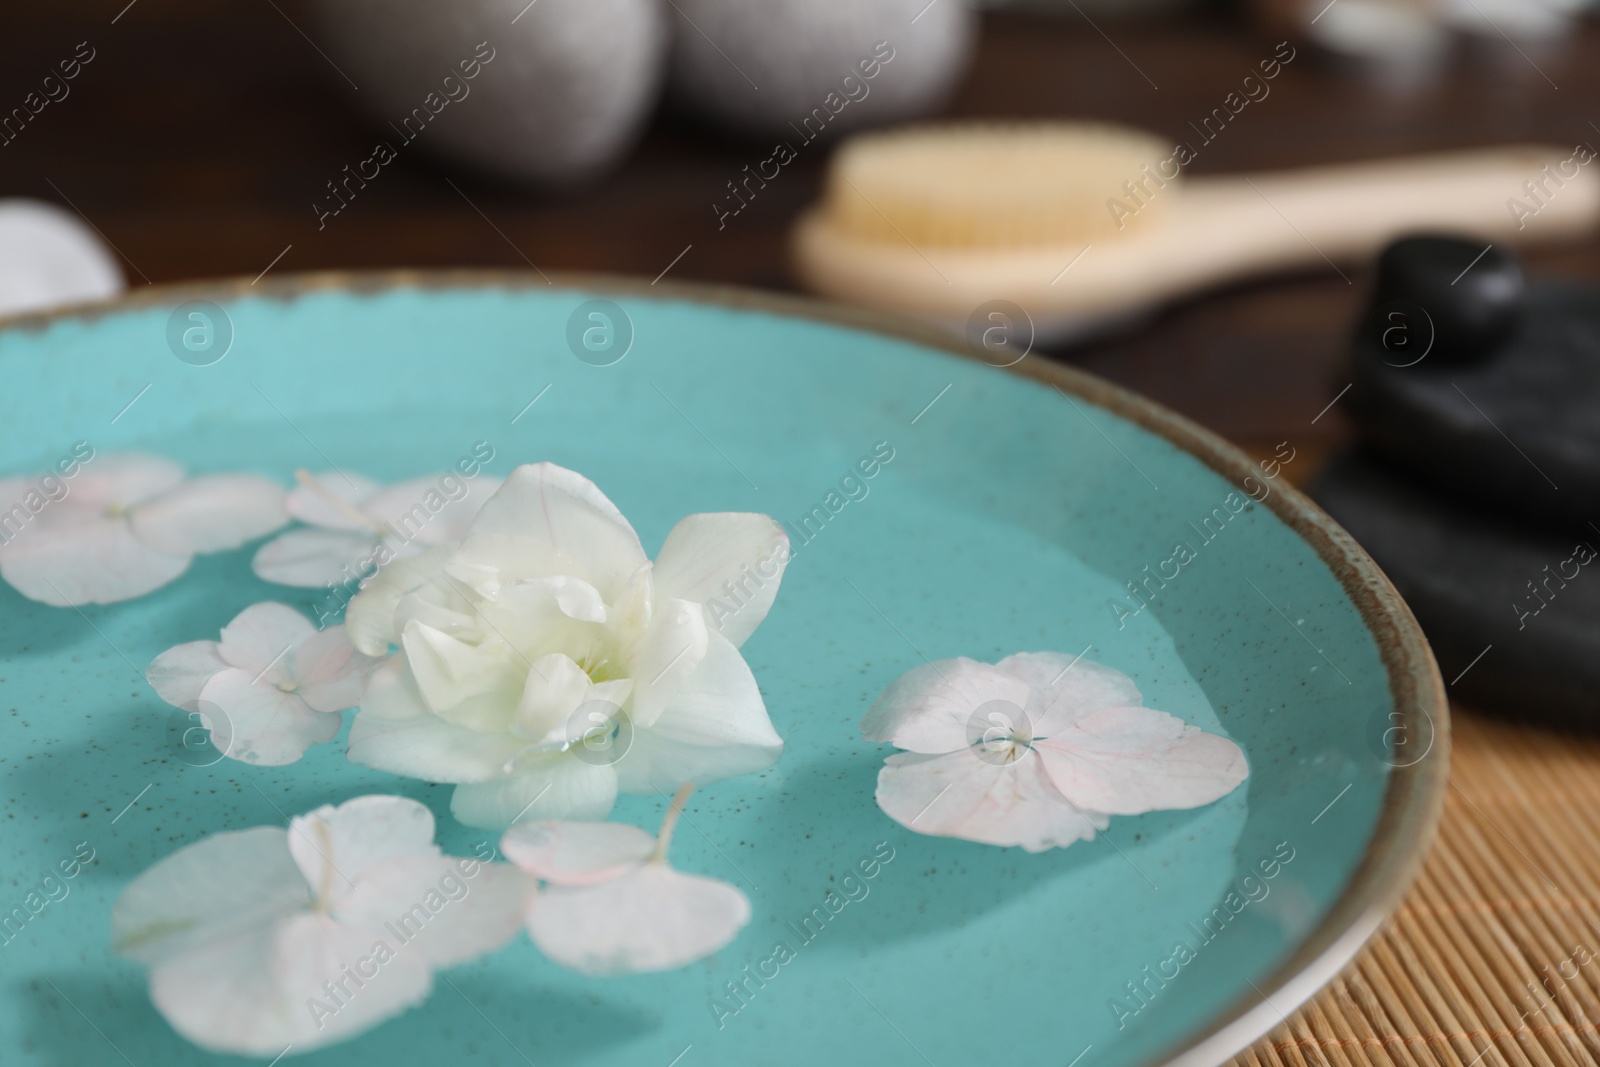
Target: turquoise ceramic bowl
point(1015, 509)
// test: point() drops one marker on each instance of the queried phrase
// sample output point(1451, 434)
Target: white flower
point(262, 938)
point(130, 524)
point(357, 526)
point(1038, 750)
point(545, 663)
point(271, 688)
point(612, 905)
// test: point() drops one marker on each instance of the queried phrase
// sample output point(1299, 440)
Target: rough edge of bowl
point(1415, 797)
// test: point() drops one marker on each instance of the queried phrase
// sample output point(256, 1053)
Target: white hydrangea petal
point(257, 991)
point(548, 786)
point(1126, 761)
point(630, 612)
point(576, 598)
point(124, 479)
point(576, 853)
point(312, 558)
point(14, 492)
point(499, 898)
point(211, 513)
point(565, 510)
point(313, 509)
point(409, 508)
point(450, 672)
point(261, 637)
point(652, 918)
point(336, 847)
point(179, 673)
point(487, 562)
point(330, 674)
point(554, 689)
point(396, 732)
point(270, 938)
point(545, 613)
point(598, 721)
point(254, 721)
point(441, 609)
point(448, 909)
point(961, 795)
point(931, 707)
point(23, 503)
point(91, 560)
point(223, 883)
point(666, 657)
point(371, 616)
point(716, 727)
point(1066, 688)
point(706, 552)
point(491, 712)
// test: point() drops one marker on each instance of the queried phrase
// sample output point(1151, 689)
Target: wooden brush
point(1086, 225)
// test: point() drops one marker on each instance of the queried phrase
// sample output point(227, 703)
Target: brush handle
point(1251, 223)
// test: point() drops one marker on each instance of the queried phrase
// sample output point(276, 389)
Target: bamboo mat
point(1494, 958)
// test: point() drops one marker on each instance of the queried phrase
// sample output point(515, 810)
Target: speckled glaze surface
point(1014, 510)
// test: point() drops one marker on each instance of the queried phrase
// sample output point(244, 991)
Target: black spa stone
point(1488, 388)
point(1513, 615)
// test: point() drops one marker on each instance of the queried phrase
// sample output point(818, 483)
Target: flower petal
point(421, 510)
point(1126, 761)
point(446, 908)
point(371, 617)
point(262, 989)
point(715, 728)
point(1066, 688)
point(254, 721)
point(179, 673)
point(666, 657)
point(540, 614)
point(706, 552)
point(396, 732)
point(330, 674)
point(335, 847)
point(90, 559)
point(313, 509)
point(261, 636)
point(552, 785)
point(931, 708)
point(486, 563)
point(565, 510)
point(223, 883)
point(14, 493)
point(124, 479)
point(652, 918)
point(576, 853)
point(310, 559)
point(554, 688)
point(210, 514)
point(450, 673)
point(962, 795)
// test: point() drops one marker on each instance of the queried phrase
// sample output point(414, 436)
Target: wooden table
point(199, 136)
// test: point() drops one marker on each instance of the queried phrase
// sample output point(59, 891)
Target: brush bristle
point(995, 185)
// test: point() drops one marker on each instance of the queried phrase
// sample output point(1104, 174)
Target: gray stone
point(756, 66)
point(1486, 387)
point(569, 86)
point(1513, 614)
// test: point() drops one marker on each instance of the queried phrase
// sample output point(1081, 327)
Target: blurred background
point(201, 139)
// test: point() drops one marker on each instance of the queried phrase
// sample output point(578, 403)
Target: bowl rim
point(1414, 799)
